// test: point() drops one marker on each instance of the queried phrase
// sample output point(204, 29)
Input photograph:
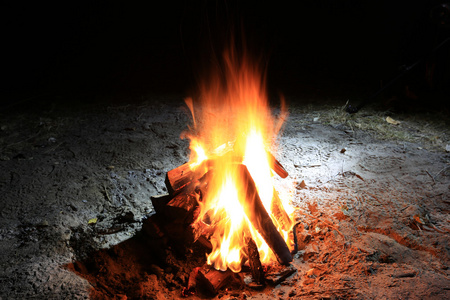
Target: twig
point(324, 221)
point(53, 149)
point(440, 172)
point(438, 230)
point(107, 194)
point(27, 139)
point(432, 178)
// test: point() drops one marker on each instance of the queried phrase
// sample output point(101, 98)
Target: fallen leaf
point(447, 147)
point(92, 221)
point(392, 121)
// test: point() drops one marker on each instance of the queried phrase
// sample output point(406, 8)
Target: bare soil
point(372, 202)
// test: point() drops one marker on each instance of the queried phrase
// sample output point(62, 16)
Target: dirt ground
point(372, 201)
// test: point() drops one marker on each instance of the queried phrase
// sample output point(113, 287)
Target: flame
point(233, 125)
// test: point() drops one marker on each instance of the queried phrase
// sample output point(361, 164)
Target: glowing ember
point(234, 126)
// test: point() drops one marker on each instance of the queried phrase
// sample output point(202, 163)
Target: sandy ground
point(78, 177)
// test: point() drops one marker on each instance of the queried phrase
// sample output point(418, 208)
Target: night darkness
point(130, 49)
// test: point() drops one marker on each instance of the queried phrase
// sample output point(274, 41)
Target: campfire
point(226, 191)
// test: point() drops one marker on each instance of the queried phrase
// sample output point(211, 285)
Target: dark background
point(124, 48)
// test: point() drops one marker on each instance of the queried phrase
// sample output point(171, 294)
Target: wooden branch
point(160, 202)
point(279, 213)
point(260, 219)
point(276, 166)
point(183, 201)
point(184, 176)
point(254, 261)
point(192, 283)
point(211, 279)
point(180, 207)
point(179, 178)
point(278, 277)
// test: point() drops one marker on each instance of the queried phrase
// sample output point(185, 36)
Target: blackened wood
point(183, 201)
point(278, 277)
point(280, 213)
point(159, 202)
point(260, 219)
point(213, 280)
point(181, 207)
point(192, 282)
point(202, 240)
point(184, 178)
point(179, 178)
point(294, 232)
point(277, 166)
point(254, 261)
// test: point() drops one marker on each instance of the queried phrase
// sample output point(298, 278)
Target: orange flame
point(234, 125)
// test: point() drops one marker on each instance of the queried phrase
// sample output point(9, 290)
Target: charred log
point(254, 261)
point(209, 279)
point(192, 283)
point(260, 219)
point(276, 166)
point(179, 178)
point(160, 202)
point(279, 276)
point(181, 207)
point(279, 212)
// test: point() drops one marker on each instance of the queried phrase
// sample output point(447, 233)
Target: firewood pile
point(176, 212)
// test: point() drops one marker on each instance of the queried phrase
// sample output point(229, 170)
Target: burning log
point(192, 283)
point(209, 279)
point(188, 185)
point(260, 219)
point(280, 213)
point(254, 261)
point(179, 178)
point(181, 207)
point(276, 166)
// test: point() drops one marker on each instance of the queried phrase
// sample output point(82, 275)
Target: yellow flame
point(258, 165)
point(227, 252)
point(200, 155)
point(234, 118)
